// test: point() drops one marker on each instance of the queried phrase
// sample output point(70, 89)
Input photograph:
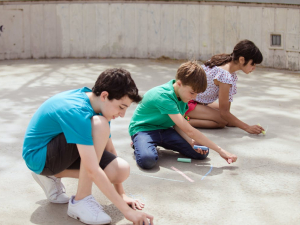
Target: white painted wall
point(147, 30)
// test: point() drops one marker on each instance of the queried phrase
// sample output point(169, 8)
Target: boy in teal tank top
point(69, 136)
point(158, 119)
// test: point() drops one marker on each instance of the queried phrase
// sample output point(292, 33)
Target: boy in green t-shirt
point(158, 119)
point(69, 136)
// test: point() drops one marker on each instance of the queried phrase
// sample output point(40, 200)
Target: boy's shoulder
point(74, 92)
point(68, 101)
point(160, 95)
point(163, 88)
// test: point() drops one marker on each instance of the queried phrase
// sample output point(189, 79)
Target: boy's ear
point(179, 83)
point(103, 95)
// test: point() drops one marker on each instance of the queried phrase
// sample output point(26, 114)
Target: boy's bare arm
point(90, 162)
point(199, 137)
point(134, 203)
point(90, 157)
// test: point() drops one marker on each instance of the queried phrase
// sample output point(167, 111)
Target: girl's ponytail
point(244, 48)
point(219, 60)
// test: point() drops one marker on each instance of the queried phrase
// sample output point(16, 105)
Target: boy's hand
point(138, 218)
point(133, 203)
point(255, 129)
point(199, 150)
point(230, 158)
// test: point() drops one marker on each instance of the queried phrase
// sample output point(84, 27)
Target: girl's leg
point(206, 117)
point(214, 105)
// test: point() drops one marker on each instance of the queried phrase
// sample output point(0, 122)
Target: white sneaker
point(88, 211)
point(53, 188)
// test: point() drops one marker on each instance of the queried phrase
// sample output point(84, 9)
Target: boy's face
point(186, 93)
point(115, 108)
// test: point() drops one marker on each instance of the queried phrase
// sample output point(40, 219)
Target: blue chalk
point(204, 148)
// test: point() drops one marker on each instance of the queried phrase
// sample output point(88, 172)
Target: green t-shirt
point(152, 112)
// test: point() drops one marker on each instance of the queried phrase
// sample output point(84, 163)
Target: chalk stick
point(263, 132)
point(204, 148)
point(186, 160)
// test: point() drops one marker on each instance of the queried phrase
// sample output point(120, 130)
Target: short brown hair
point(192, 74)
point(118, 83)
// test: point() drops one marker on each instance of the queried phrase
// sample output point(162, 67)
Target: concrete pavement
point(262, 187)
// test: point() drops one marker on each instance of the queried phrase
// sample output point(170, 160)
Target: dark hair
point(193, 75)
point(118, 83)
point(244, 48)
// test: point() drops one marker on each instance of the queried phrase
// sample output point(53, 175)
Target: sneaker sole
point(74, 216)
point(42, 186)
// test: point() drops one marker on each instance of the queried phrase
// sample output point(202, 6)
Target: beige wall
point(147, 30)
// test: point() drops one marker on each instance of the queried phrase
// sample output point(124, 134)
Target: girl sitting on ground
point(220, 70)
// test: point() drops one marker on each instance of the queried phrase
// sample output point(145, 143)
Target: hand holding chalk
point(263, 131)
point(230, 158)
point(201, 149)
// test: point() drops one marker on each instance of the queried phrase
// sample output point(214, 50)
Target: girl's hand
point(133, 203)
point(138, 218)
point(255, 129)
point(230, 158)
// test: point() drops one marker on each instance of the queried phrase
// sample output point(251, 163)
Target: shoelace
point(94, 205)
point(59, 186)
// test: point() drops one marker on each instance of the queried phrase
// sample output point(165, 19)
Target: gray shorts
point(62, 156)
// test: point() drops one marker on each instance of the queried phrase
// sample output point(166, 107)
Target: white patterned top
point(211, 94)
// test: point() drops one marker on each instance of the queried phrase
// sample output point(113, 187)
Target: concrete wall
point(295, 2)
point(147, 30)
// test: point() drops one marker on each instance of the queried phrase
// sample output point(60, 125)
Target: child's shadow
point(229, 133)
point(50, 213)
point(202, 168)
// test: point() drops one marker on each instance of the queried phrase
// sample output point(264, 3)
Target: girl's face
point(248, 68)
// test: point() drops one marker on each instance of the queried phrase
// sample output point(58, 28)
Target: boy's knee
point(202, 156)
point(147, 162)
point(124, 169)
point(120, 171)
point(100, 124)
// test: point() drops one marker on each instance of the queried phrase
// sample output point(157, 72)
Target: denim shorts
point(62, 155)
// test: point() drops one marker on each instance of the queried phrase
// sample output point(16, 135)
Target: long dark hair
point(244, 48)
